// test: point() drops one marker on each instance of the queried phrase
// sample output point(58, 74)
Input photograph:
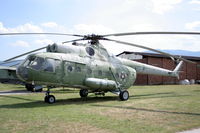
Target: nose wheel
point(49, 98)
point(83, 93)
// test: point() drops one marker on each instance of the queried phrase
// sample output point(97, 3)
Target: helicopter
point(88, 66)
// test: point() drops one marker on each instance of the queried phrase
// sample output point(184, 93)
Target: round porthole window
point(90, 51)
point(69, 68)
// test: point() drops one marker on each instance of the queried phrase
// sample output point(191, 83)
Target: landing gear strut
point(49, 98)
point(29, 87)
point(83, 92)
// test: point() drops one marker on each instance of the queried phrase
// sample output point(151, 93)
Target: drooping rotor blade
point(59, 34)
point(152, 33)
point(24, 54)
point(7, 62)
point(154, 50)
point(73, 40)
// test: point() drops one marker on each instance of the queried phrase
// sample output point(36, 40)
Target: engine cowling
point(62, 48)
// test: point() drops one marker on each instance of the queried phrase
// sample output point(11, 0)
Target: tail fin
point(176, 71)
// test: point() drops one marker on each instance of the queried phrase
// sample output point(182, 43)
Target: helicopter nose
point(22, 73)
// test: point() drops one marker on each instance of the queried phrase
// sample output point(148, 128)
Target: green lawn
point(155, 109)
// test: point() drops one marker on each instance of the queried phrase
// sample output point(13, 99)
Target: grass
point(156, 109)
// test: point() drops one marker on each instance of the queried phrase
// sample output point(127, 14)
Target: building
point(189, 71)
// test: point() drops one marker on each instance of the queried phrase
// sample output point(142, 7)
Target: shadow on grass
point(196, 90)
point(157, 95)
point(75, 101)
point(15, 91)
point(16, 97)
point(66, 91)
point(149, 110)
point(21, 87)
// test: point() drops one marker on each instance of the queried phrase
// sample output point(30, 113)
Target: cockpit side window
point(49, 65)
point(28, 61)
point(37, 63)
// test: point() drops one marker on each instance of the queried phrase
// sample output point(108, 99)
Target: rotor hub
point(93, 37)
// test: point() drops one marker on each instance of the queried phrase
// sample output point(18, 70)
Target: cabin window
point(100, 73)
point(69, 68)
point(89, 71)
point(90, 51)
point(78, 69)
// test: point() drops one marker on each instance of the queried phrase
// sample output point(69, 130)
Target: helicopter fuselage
point(85, 66)
point(89, 69)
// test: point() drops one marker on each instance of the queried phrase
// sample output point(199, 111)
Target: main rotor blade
point(154, 50)
point(25, 54)
point(73, 40)
point(152, 33)
point(59, 34)
point(7, 62)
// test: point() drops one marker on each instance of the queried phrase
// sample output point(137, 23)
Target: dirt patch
point(76, 128)
point(54, 127)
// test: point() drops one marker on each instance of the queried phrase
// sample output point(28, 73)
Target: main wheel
point(50, 99)
point(83, 93)
point(124, 95)
point(46, 99)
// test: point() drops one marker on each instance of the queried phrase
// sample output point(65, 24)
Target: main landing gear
point(49, 98)
point(124, 95)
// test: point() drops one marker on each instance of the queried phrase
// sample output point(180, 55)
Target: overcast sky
point(99, 17)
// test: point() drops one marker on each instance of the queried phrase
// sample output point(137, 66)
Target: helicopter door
point(74, 73)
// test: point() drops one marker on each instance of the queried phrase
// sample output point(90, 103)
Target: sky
point(98, 17)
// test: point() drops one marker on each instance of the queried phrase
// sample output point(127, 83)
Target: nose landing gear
point(83, 93)
point(49, 98)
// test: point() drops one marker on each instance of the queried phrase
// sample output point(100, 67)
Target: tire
point(46, 99)
point(124, 95)
point(51, 99)
point(83, 93)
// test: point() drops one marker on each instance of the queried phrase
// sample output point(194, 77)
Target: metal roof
point(146, 54)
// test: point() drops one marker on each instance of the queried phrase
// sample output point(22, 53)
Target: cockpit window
point(37, 63)
point(49, 65)
point(28, 61)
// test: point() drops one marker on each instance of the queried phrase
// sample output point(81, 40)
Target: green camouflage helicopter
point(88, 66)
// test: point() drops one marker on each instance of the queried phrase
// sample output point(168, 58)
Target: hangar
point(188, 71)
